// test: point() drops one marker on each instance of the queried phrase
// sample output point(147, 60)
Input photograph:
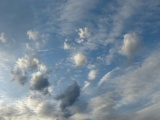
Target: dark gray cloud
point(70, 95)
point(39, 82)
point(68, 98)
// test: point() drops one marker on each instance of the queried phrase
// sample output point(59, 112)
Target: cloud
point(39, 82)
point(3, 38)
point(92, 74)
point(83, 32)
point(69, 14)
point(150, 112)
point(19, 75)
point(131, 44)
point(69, 97)
point(147, 75)
point(28, 61)
point(79, 59)
point(123, 12)
point(86, 85)
point(27, 64)
point(104, 78)
point(66, 46)
point(33, 35)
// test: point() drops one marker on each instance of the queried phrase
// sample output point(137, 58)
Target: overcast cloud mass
point(79, 60)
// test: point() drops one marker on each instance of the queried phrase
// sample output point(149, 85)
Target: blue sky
point(79, 60)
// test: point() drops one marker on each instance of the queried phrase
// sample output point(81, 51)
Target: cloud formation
point(131, 44)
point(3, 38)
point(104, 78)
point(83, 32)
point(33, 35)
point(70, 95)
point(92, 74)
point(30, 63)
point(39, 82)
point(79, 59)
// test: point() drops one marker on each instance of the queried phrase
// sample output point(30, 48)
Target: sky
point(79, 60)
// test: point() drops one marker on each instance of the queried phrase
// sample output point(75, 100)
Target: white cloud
point(92, 74)
point(104, 78)
point(79, 59)
point(3, 38)
point(66, 46)
point(83, 32)
point(25, 64)
point(86, 85)
point(33, 35)
point(140, 82)
point(131, 44)
point(28, 61)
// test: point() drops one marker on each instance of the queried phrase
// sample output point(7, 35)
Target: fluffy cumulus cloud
point(3, 38)
point(33, 35)
point(131, 44)
point(24, 65)
point(79, 59)
point(92, 74)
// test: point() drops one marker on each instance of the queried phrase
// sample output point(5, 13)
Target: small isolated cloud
point(66, 46)
point(33, 35)
point(19, 74)
point(83, 32)
point(131, 44)
point(79, 59)
point(3, 38)
point(39, 82)
point(79, 41)
point(92, 74)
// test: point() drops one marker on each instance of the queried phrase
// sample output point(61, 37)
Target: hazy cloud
point(104, 78)
point(3, 38)
point(86, 85)
point(33, 35)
